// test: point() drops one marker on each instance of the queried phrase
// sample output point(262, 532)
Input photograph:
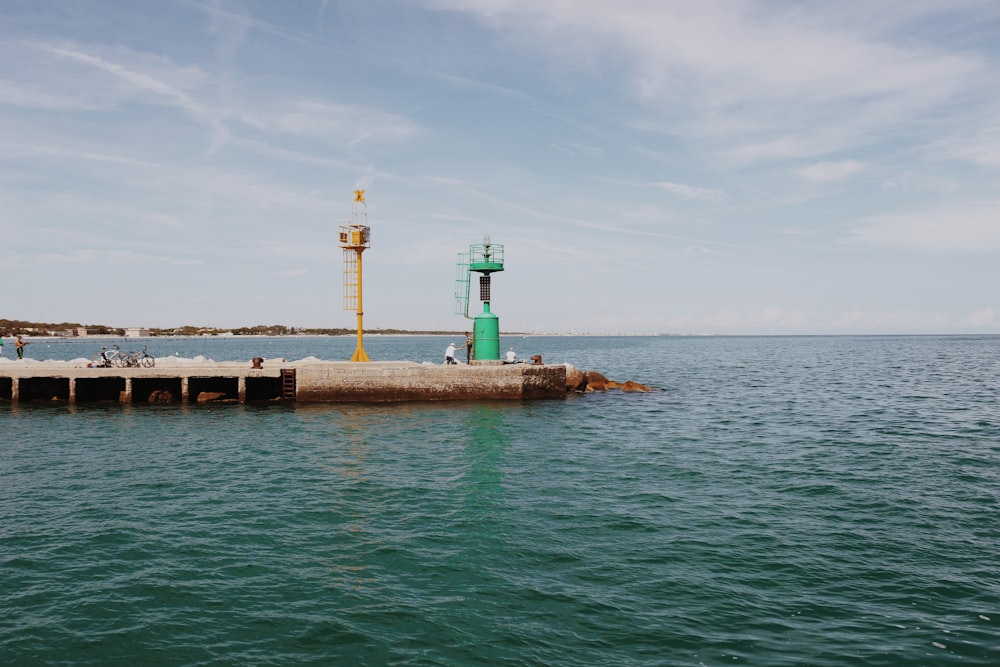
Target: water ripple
point(785, 501)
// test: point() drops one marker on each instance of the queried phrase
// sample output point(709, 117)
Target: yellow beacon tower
point(355, 238)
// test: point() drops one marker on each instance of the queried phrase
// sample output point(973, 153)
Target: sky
point(649, 166)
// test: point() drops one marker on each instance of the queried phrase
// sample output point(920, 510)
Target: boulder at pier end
point(596, 381)
point(635, 386)
point(577, 380)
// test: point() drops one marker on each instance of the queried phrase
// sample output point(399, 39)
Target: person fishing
point(19, 346)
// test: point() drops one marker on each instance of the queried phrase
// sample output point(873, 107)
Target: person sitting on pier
point(511, 357)
point(449, 354)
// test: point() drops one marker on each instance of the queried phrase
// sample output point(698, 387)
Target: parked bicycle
point(106, 358)
point(136, 359)
point(115, 358)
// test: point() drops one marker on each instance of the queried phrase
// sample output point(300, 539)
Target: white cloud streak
point(691, 191)
point(956, 228)
point(826, 172)
point(761, 80)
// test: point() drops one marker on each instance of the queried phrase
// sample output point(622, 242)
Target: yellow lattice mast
point(354, 239)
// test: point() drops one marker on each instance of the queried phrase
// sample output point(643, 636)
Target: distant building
point(136, 332)
point(82, 331)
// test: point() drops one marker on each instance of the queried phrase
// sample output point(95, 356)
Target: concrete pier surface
point(278, 380)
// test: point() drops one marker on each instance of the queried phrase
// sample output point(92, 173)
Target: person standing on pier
point(19, 345)
point(468, 347)
point(449, 354)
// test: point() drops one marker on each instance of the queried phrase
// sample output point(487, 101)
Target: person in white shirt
point(449, 354)
point(511, 356)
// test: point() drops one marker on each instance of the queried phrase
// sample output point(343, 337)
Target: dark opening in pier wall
point(263, 389)
point(228, 386)
point(156, 390)
point(44, 389)
point(98, 389)
point(6, 389)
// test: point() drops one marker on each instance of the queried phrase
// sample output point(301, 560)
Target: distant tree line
point(23, 327)
point(282, 330)
point(15, 327)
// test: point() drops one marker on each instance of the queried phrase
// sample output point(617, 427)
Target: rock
point(612, 384)
point(209, 396)
point(161, 396)
point(635, 386)
point(596, 381)
point(575, 379)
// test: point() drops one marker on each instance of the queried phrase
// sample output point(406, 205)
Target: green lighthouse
point(485, 259)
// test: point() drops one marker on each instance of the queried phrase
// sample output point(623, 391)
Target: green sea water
point(779, 501)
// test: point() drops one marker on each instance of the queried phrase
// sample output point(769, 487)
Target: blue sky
point(720, 167)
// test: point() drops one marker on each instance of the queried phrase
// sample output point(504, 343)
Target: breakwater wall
point(278, 380)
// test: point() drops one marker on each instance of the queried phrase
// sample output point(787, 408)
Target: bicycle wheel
point(147, 361)
point(98, 361)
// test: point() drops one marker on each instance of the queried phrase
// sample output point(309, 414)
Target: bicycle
point(146, 360)
point(107, 358)
point(135, 359)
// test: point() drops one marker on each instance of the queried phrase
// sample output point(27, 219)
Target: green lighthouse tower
point(485, 258)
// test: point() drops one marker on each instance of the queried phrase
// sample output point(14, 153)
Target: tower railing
point(350, 279)
point(462, 286)
point(486, 257)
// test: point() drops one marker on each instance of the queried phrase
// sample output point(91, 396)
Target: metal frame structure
point(355, 238)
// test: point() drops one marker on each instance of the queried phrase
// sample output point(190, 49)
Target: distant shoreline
point(99, 337)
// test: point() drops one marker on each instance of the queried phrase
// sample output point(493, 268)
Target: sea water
point(778, 501)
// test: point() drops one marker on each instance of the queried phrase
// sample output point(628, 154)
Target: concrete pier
point(278, 380)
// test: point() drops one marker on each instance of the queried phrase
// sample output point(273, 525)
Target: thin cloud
point(982, 318)
point(138, 80)
point(24, 150)
point(131, 76)
point(104, 257)
point(691, 191)
point(888, 320)
point(982, 149)
point(828, 81)
point(682, 190)
point(29, 96)
point(957, 228)
point(767, 319)
point(314, 118)
point(827, 172)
